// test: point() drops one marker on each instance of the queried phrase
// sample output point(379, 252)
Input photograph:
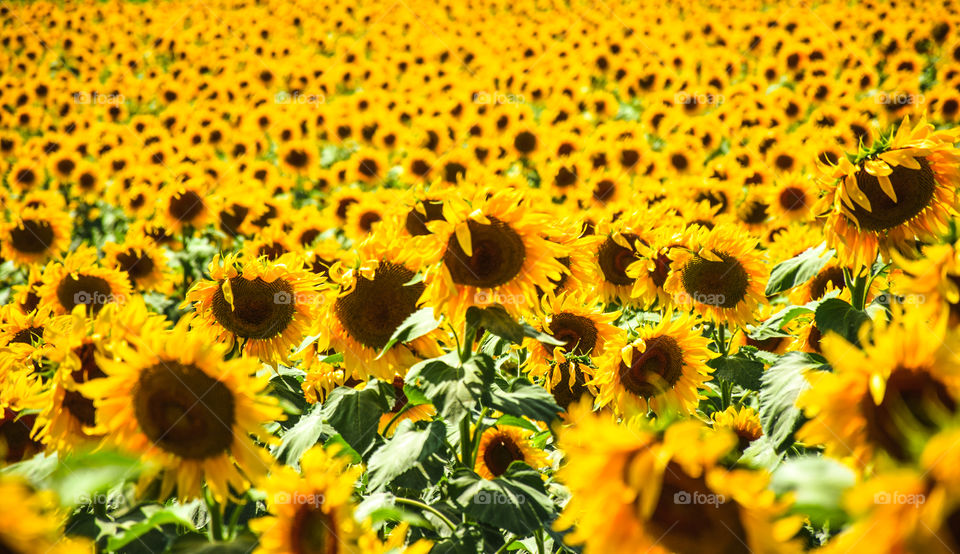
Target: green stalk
point(431, 509)
point(216, 518)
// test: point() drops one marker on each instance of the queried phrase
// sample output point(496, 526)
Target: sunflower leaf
point(155, 516)
point(419, 323)
point(304, 434)
point(782, 384)
point(840, 317)
point(494, 318)
point(356, 413)
point(452, 388)
point(409, 445)
point(516, 501)
point(524, 399)
point(818, 485)
point(738, 369)
point(798, 270)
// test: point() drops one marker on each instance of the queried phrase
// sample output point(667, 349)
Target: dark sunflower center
point(314, 532)
point(93, 292)
point(137, 266)
point(32, 236)
point(231, 219)
point(400, 397)
point(186, 206)
point(914, 189)
point(376, 307)
point(307, 237)
point(655, 370)
point(823, 280)
point(343, 205)
point(604, 190)
point(614, 260)
point(753, 212)
point(578, 333)
point(661, 269)
point(78, 405)
point(689, 517)
point(28, 335)
point(367, 220)
point(184, 411)
point(416, 222)
point(913, 399)
point(261, 310)
point(272, 250)
point(722, 284)
point(716, 199)
point(15, 438)
point(566, 393)
point(792, 199)
point(498, 255)
point(296, 158)
point(525, 142)
point(501, 451)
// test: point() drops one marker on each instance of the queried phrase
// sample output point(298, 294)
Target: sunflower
point(370, 300)
point(172, 398)
point(934, 278)
point(584, 330)
point(182, 205)
point(662, 369)
point(900, 189)
point(144, 262)
point(664, 492)
point(401, 412)
point(490, 251)
point(617, 252)
point(887, 395)
point(743, 421)
point(272, 243)
point(76, 279)
point(718, 273)
point(35, 236)
point(502, 445)
point(264, 305)
point(31, 521)
point(366, 215)
point(650, 272)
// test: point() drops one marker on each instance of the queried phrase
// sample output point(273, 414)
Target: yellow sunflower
point(662, 369)
point(266, 306)
point(933, 279)
point(888, 394)
point(501, 446)
point(719, 274)
point(35, 236)
point(902, 188)
point(490, 250)
point(183, 205)
point(400, 411)
point(743, 421)
point(31, 521)
point(144, 262)
point(76, 279)
point(172, 398)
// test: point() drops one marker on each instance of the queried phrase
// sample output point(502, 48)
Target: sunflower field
point(479, 276)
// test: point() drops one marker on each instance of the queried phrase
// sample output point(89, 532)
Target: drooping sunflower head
point(719, 274)
point(170, 397)
point(614, 255)
point(78, 280)
point(501, 446)
point(266, 305)
point(35, 236)
point(935, 278)
point(899, 189)
point(662, 370)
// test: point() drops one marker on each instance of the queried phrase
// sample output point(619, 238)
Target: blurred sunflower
point(32, 521)
point(36, 235)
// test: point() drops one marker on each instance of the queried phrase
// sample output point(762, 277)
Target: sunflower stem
point(477, 434)
point(466, 445)
point(538, 534)
point(396, 416)
point(726, 391)
point(431, 509)
point(858, 287)
point(216, 518)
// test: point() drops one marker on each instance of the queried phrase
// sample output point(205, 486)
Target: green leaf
point(494, 318)
point(419, 323)
point(738, 369)
point(409, 445)
point(155, 516)
point(817, 484)
point(356, 413)
point(761, 454)
point(782, 384)
point(454, 389)
point(522, 398)
point(842, 318)
point(514, 421)
point(773, 326)
point(516, 501)
point(798, 270)
point(80, 477)
point(195, 543)
point(380, 507)
point(341, 448)
point(303, 435)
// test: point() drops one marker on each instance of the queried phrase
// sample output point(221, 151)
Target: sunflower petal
point(462, 231)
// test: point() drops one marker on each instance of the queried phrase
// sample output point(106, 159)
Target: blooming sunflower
point(743, 421)
point(265, 305)
point(888, 394)
point(35, 236)
point(934, 278)
point(144, 262)
point(718, 273)
point(501, 446)
point(76, 279)
point(183, 204)
point(172, 398)
point(663, 368)
point(491, 250)
point(902, 188)
point(369, 302)
point(31, 521)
